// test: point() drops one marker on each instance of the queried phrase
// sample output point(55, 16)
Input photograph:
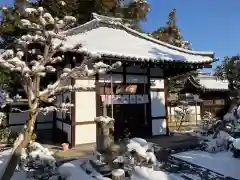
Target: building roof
point(209, 82)
point(110, 37)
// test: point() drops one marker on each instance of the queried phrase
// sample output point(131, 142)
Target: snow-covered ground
point(4, 158)
point(221, 162)
point(43, 153)
point(143, 173)
point(73, 171)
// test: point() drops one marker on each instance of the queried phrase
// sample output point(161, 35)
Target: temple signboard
point(125, 99)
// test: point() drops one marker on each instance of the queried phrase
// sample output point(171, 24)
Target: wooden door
point(130, 121)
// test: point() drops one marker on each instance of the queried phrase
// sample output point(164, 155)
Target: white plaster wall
point(158, 103)
point(85, 103)
point(159, 127)
point(157, 83)
point(157, 98)
point(106, 78)
point(85, 134)
point(85, 110)
point(90, 81)
point(85, 106)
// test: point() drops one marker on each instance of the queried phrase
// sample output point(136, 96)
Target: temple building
point(213, 92)
point(134, 94)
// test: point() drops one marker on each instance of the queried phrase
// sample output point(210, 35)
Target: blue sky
point(211, 25)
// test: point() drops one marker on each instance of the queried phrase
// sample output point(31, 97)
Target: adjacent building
point(213, 92)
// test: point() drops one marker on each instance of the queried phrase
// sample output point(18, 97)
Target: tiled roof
point(210, 82)
point(109, 37)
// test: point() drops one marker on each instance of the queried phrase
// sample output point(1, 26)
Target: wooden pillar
point(73, 118)
point(166, 104)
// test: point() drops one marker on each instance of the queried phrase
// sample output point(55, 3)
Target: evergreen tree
point(81, 9)
point(229, 69)
point(34, 58)
point(171, 34)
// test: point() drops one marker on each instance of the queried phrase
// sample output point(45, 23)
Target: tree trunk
point(180, 123)
point(14, 159)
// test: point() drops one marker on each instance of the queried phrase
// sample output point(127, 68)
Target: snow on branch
point(77, 72)
point(35, 56)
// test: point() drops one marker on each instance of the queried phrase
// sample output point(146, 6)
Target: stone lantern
point(105, 133)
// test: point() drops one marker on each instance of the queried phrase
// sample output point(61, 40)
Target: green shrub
point(34, 137)
point(4, 134)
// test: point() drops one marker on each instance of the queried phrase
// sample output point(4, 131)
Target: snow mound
point(220, 143)
point(104, 119)
point(36, 151)
point(137, 148)
point(143, 149)
point(73, 171)
point(144, 173)
point(39, 154)
point(142, 142)
point(236, 143)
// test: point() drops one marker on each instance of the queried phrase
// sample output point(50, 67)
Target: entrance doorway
point(130, 121)
point(130, 114)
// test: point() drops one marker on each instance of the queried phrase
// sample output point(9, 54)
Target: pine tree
point(171, 34)
point(81, 9)
point(229, 70)
point(34, 58)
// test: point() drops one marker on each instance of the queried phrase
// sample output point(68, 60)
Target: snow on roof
point(109, 37)
point(211, 82)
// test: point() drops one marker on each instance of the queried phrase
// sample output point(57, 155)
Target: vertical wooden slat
point(97, 89)
point(73, 109)
point(73, 116)
point(149, 107)
point(166, 108)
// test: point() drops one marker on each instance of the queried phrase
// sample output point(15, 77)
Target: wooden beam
point(73, 116)
point(207, 66)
